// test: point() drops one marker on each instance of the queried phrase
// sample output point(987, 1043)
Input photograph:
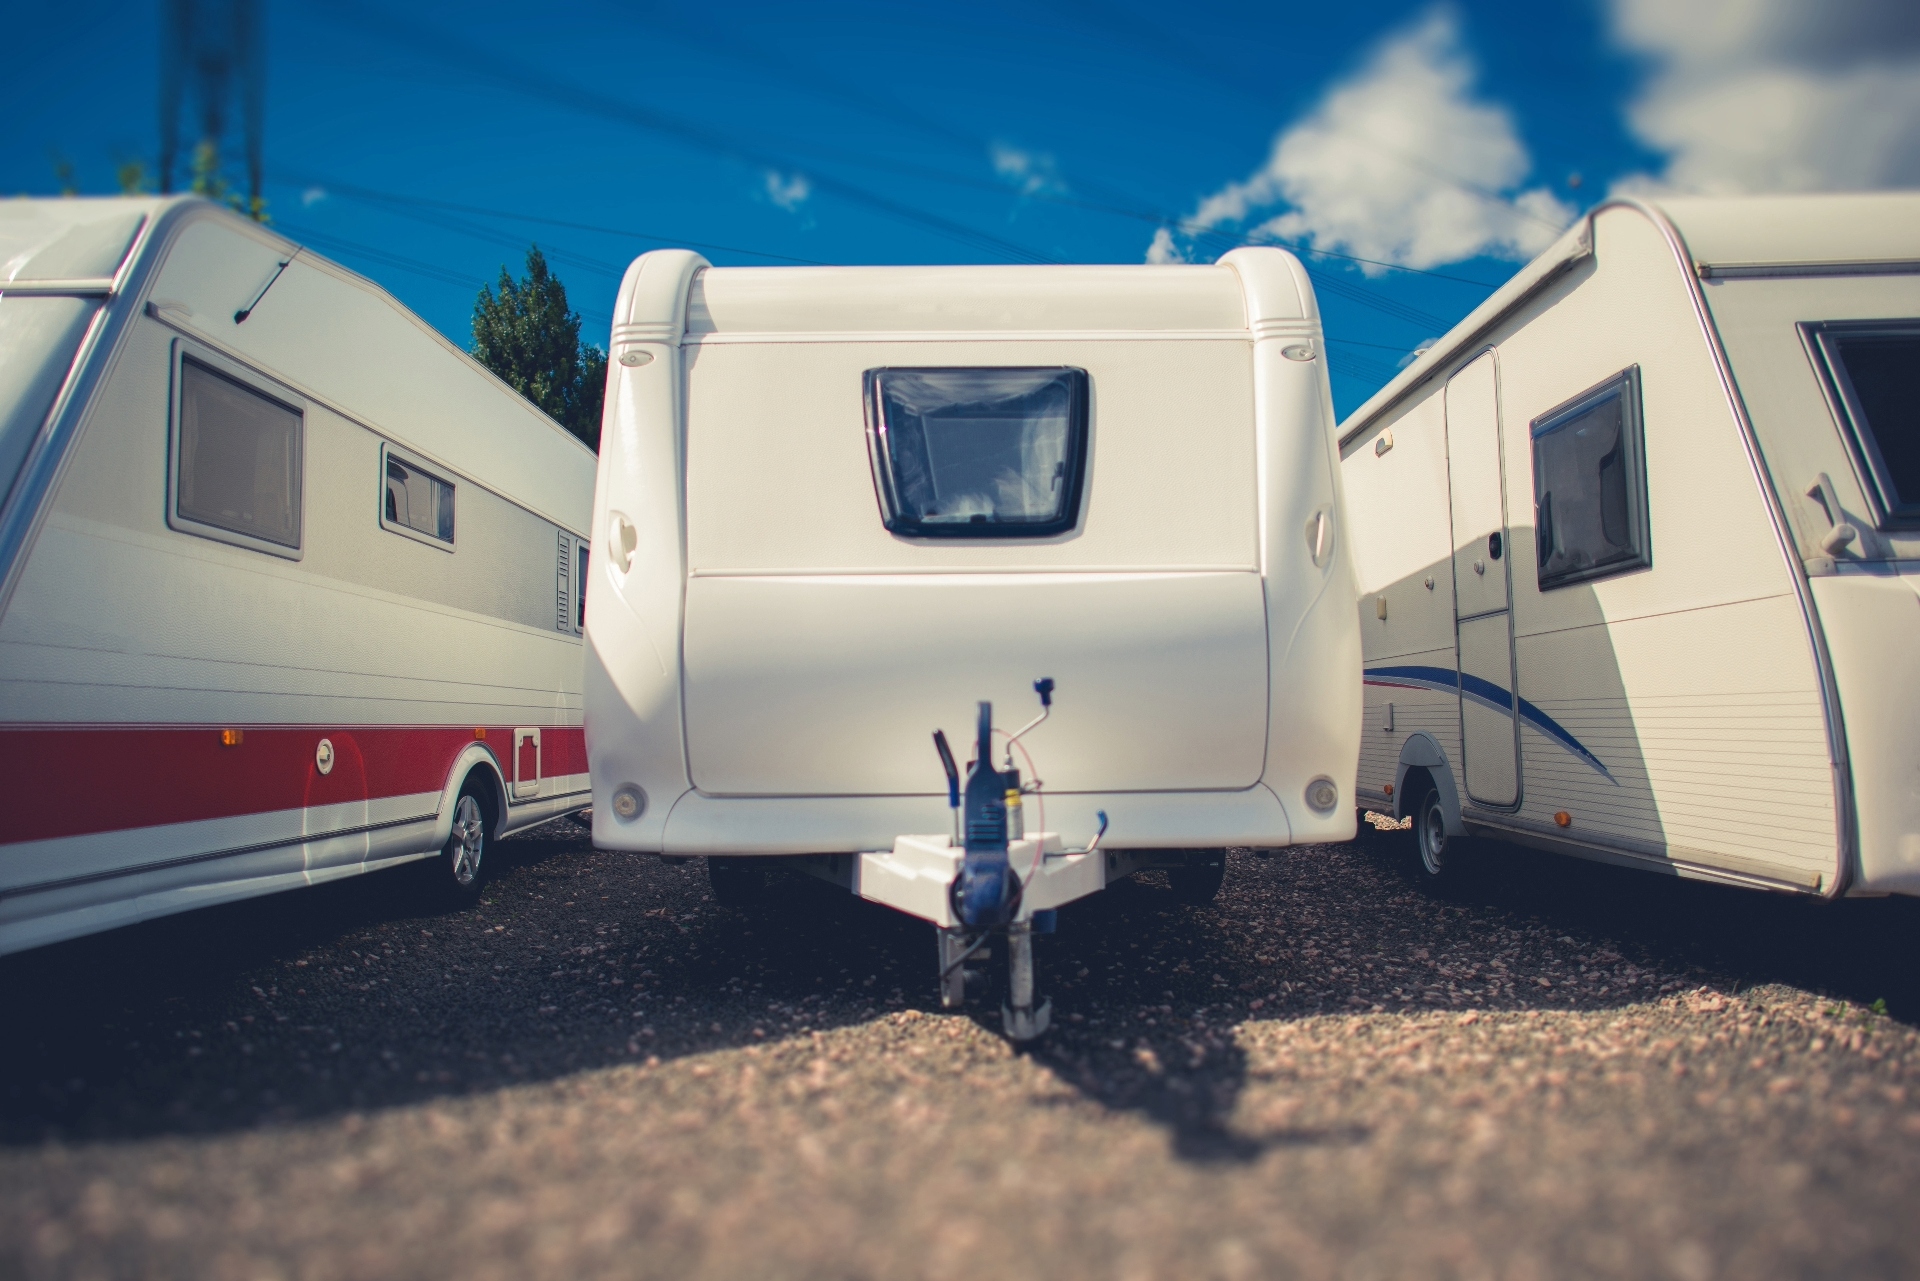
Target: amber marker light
point(1389, 789)
point(1563, 819)
point(232, 737)
point(479, 734)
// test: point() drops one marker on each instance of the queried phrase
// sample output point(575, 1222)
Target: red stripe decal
point(76, 780)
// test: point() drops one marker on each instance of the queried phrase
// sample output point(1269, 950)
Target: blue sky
point(1438, 138)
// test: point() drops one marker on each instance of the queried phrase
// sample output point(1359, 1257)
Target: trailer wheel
point(1198, 880)
point(463, 860)
point(1438, 853)
point(737, 882)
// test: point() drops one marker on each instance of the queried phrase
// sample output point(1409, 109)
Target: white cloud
point(1164, 248)
point(788, 193)
point(312, 196)
point(1399, 162)
point(1777, 95)
point(1032, 173)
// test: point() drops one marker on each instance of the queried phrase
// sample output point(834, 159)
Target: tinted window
point(239, 458)
point(1877, 372)
point(580, 589)
point(419, 500)
point(1589, 487)
point(978, 453)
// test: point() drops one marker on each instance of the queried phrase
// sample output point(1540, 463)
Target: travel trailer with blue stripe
point(1638, 551)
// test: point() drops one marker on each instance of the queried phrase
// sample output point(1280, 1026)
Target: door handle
point(1320, 537)
point(1843, 533)
point(623, 539)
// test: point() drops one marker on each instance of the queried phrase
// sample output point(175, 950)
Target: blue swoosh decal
point(1487, 694)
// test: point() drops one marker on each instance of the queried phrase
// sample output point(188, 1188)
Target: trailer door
point(1483, 620)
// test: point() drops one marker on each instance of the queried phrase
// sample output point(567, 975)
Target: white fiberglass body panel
point(771, 646)
point(1864, 591)
point(1724, 687)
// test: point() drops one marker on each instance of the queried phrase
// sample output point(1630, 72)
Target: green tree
point(528, 335)
point(210, 181)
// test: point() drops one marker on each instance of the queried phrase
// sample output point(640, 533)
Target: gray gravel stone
point(1557, 1070)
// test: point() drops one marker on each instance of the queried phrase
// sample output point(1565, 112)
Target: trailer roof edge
point(1574, 246)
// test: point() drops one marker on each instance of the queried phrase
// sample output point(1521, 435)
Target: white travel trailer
point(839, 507)
point(1638, 544)
point(290, 585)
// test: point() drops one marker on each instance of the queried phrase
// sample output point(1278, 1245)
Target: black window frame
point(1079, 400)
point(249, 380)
point(406, 458)
point(1863, 447)
point(1625, 386)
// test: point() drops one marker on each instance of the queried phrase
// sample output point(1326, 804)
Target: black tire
point(1436, 855)
point(461, 870)
point(737, 882)
point(1198, 880)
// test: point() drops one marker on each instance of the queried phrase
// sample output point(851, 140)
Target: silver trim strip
point(307, 838)
point(1764, 270)
point(1617, 850)
point(79, 287)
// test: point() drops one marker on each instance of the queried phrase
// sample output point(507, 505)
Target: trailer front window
point(1873, 372)
point(978, 453)
point(1589, 485)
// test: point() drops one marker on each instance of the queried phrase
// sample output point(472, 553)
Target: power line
point(740, 50)
point(322, 240)
point(1165, 45)
point(529, 81)
point(340, 244)
point(394, 198)
point(1381, 346)
point(522, 78)
point(1185, 226)
point(493, 236)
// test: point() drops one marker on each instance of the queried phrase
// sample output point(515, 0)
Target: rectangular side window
point(1589, 485)
point(237, 457)
point(978, 453)
point(1872, 373)
point(414, 501)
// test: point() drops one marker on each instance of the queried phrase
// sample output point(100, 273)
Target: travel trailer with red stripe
point(840, 509)
point(1637, 547)
point(291, 588)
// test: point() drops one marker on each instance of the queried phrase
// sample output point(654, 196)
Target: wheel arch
point(473, 756)
point(1422, 754)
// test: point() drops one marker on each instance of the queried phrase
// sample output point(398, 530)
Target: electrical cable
point(1040, 846)
point(377, 197)
point(340, 244)
point(527, 80)
point(1162, 44)
point(739, 50)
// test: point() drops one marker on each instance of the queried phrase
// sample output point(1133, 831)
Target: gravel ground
point(1555, 1069)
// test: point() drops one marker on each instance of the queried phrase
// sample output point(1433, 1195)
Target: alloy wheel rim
point(469, 836)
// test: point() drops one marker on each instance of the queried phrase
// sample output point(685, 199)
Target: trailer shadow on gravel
point(361, 995)
point(1860, 950)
